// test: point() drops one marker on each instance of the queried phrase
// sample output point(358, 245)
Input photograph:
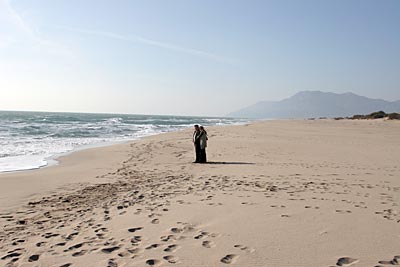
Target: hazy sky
point(187, 57)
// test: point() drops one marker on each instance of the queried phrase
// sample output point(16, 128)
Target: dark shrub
point(377, 115)
point(394, 116)
point(358, 117)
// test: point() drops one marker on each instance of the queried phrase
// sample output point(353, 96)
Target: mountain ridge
point(307, 104)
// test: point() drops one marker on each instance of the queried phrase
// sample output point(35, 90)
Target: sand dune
point(278, 193)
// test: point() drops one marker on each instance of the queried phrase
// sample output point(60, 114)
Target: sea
point(30, 140)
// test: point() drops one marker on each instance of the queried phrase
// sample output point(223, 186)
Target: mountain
point(309, 104)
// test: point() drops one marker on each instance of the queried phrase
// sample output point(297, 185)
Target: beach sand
point(275, 193)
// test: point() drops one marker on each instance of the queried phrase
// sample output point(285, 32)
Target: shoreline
point(54, 160)
point(67, 162)
point(279, 193)
point(32, 140)
point(72, 168)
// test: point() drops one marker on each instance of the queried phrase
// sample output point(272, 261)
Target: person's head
point(201, 128)
point(196, 127)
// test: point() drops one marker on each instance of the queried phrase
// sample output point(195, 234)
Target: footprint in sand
point(74, 247)
point(138, 211)
point(176, 230)
point(343, 211)
point(208, 244)
point(16, 243)
point(33, 258)
point(201, 235)
point(346, 261)
point(132, 230)
point(50, 235)
point(39, 244)
point(153, 262)
point(110, 249)
point(155, 221)
point(79, 253)
point(71, 236)
point(112, 263)
point(124, 254)
point(172, 248)
point(152, 246)
point(214, 235)
point(244, 248)
point(103, 229)
point(171, 259)
point(167, 238)
point(13, 255)
point(230, 258)
point(135, 251)
point(395, 261)
point(136, 239)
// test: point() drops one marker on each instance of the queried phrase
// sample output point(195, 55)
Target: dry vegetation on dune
point(373, 116)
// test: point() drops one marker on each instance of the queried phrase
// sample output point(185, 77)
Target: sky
point(186, 57)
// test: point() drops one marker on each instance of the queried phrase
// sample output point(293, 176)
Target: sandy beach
point(275, 193)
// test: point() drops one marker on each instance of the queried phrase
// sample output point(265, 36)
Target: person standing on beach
point(203, 144)
point(196, 142)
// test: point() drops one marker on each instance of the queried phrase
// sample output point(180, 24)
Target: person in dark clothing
point(196, 142)
point(203, 144)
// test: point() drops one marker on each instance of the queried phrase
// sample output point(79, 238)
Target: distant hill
point(314, 104)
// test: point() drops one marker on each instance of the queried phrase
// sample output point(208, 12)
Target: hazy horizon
point(192, 58)
point(153, 114)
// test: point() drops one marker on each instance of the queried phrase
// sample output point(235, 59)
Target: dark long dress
point(203, 155)
point(197, 146)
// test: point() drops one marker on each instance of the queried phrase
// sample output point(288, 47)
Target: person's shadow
point(229, 162)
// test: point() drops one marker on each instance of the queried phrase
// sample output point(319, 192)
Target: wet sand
point(275, 193)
